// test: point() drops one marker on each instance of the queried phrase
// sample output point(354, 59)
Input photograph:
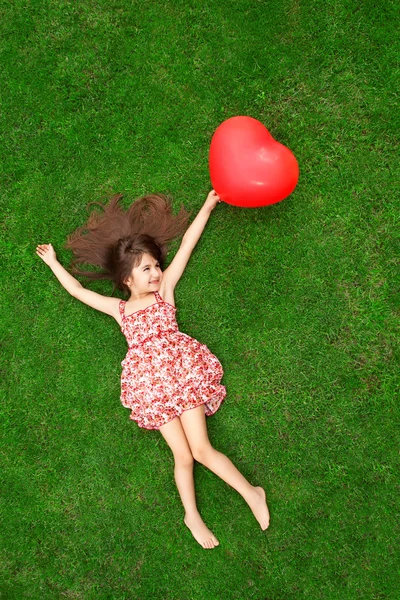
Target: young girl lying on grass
point(170, 381)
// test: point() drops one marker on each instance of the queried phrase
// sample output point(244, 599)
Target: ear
point(128, 281)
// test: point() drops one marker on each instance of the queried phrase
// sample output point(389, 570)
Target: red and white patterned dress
point(165, 372)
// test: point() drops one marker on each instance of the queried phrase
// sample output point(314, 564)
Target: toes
point(265, 524)
point(210, 544)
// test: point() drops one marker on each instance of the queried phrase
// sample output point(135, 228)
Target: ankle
point(192, 514)
point(252, 494)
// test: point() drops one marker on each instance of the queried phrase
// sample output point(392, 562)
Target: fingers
point(213, 198)
point(43, 250)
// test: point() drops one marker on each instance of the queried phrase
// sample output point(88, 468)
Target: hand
point(46, 253)
point(212, 200)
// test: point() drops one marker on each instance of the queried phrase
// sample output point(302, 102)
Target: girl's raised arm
point(175, 270)
point(104, 304)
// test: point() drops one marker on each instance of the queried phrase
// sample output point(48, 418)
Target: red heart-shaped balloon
point(248, 167)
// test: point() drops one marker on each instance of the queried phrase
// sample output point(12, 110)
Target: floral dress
point(165, 372)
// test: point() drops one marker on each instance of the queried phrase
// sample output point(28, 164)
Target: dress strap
point(158, 297)
point(122, 308)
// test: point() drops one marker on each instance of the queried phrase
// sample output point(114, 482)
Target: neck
point(137, 296)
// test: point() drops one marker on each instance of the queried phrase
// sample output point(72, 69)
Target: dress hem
point(210, 414)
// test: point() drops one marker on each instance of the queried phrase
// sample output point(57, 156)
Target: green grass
point(300, 301)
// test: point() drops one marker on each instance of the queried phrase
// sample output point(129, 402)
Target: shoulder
point(119, 310)
point(115, 307)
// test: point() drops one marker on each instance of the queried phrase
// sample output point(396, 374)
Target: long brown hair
point(116, 239)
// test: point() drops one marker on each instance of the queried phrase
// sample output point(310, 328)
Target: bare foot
point(259, 508)
point(200, 532)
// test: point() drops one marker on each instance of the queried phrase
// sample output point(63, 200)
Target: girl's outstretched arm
point(110, 306)
point(175, 270)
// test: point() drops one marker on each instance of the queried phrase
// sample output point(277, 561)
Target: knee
point(202, 453)
point(183, 459)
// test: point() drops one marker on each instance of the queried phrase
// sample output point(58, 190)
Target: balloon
point(248, 167)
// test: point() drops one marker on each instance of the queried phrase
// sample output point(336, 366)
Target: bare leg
point(175, 437)
point(195, 428)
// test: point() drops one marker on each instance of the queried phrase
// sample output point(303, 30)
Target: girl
point(170, 382)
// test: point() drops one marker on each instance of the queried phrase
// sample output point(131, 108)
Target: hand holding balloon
point(248, 167)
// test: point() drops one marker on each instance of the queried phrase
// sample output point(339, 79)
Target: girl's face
point(146, 277)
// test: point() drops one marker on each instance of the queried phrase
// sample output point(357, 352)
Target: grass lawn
point(299, 301)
